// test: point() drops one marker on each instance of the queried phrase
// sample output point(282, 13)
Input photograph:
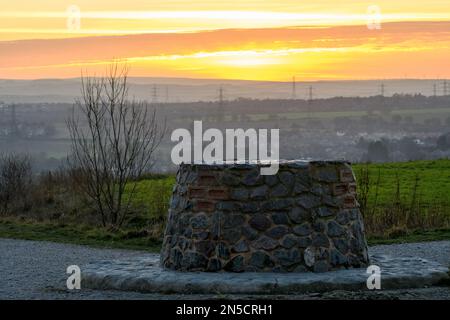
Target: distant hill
point(189, 90)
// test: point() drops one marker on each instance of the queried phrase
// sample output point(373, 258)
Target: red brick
point(346, 175)
point(339, 189)
point(195, 192)
point(207, 180)
point(204, 206)
point(350, 202)
point(218, 194)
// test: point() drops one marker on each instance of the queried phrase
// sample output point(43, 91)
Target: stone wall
point(228, 217)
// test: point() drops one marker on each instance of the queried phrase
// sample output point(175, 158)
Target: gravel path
point(36, 270)
point(435, 251)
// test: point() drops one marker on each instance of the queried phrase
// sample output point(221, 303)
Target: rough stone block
point(260, 222)
point(259, 193)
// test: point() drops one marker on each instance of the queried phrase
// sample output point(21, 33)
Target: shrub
point(15, 183)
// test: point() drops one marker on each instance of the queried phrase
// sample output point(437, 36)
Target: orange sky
point(245, 39)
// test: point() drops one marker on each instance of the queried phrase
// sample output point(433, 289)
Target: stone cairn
point(228, 217)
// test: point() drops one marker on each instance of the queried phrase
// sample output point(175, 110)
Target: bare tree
point(114, 145)
point(15, 181)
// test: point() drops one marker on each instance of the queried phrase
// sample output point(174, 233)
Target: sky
point(245, 39)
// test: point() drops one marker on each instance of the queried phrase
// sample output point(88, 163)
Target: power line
point(220, 112)
point(154, 94)
point(14, 126)
point(445, 87)
point(221, 96)
point(310, 100)
point(294, 88)
point(382, 89)
point(310, 94)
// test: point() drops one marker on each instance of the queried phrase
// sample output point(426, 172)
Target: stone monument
point(240, 232)
point(229, 217)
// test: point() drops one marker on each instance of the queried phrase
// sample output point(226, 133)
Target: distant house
point(443, 142)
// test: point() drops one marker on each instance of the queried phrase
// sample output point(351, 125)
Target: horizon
point(235, 80)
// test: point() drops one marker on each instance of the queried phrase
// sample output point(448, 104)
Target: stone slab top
point(143, 274)
point(282, 163)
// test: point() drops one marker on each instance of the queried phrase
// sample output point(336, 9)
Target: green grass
point(154, 193)
point(433, 185)
point(401, 198)
point(142, 231)
point(100, 238)
point(75, 234)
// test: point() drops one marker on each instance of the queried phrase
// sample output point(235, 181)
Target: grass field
point(154, 194)
point(399, 198)
point(431, 179)
point(405, 202)
point(76, 234)
point(414, 113)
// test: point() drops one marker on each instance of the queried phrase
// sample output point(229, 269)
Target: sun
point(247, 61)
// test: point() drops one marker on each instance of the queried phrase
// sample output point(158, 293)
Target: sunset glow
point(255, 40)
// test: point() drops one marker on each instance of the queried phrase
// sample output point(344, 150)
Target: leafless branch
point(113, 143)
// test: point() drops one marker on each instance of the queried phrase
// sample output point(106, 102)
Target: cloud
point(228, 52)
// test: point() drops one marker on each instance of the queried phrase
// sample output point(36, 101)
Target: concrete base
point(144, 274)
